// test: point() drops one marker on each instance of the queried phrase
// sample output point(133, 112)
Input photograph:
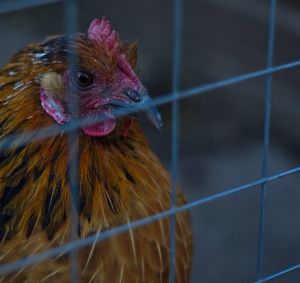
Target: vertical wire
point(267, 116)
point(71, 26)
point(177, 43)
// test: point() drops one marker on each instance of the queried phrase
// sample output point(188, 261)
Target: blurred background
point(221, 132)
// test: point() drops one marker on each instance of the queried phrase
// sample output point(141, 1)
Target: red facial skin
point(100, 96)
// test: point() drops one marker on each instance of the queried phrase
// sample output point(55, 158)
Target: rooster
point(120, 180)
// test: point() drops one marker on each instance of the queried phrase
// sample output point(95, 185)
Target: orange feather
point(121, 180)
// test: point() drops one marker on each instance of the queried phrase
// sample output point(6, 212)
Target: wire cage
point(71, 26)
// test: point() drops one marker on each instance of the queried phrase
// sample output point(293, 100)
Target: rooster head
point(92, 75)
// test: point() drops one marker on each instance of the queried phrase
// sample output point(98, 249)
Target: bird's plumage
point(120, 180)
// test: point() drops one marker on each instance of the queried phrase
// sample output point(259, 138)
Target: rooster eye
point(83, 79)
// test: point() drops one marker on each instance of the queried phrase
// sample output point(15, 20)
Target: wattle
point(102, 128)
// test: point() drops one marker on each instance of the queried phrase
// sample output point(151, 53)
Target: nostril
point(133, 94)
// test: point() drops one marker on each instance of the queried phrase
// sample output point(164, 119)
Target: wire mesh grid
point(71, 24)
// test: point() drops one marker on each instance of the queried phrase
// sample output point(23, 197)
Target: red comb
point(100, 31)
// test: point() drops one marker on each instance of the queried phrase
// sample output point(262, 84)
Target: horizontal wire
point(279, 273)
point(37, 258)
point(28, 137)
point(10, 5)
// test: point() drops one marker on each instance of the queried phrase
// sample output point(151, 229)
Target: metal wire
point(76, 245)
point(28, 137)
point(177, 19)
point(279, 274)
point(15, 5)
point(266, 143)
point(174, 97)
point(71, 27)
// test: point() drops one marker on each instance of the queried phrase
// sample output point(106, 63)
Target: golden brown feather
point(121, 181)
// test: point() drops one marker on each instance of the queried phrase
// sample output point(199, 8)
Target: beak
point(152, 113)
point(142, 98)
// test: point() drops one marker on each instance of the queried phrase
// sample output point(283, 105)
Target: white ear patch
point(53, 83)
point(51, 95)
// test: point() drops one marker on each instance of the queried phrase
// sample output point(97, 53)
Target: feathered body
point(120, 179)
